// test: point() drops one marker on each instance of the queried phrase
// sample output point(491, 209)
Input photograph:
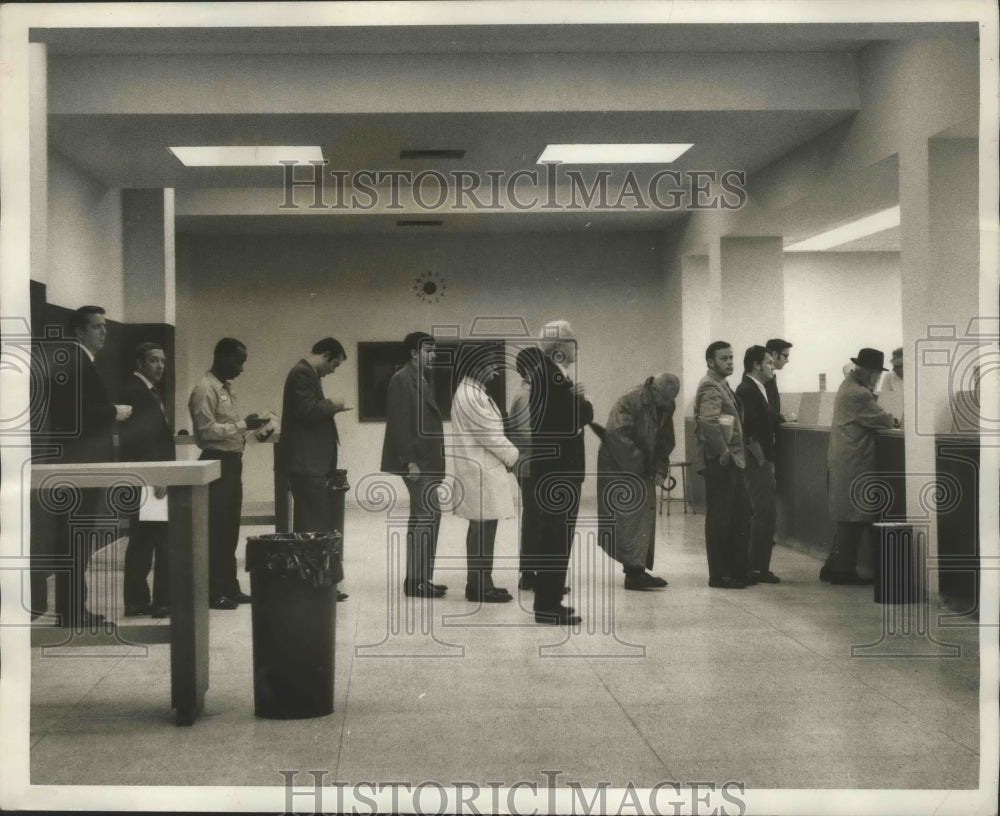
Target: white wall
point(279, 296)
point(84, 240)
point(836, 303)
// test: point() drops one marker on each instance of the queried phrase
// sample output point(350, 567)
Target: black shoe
point(643, 581)
point(527, 581)
point(240, 596)
point(342, 596)
point(81, 620)
point(491, 595)
point(222, 602)
point(765, 577)
point(424, 590)
point(824, 574)
point(135, 610)
point(558, 617)
point(726, 583)
point(748, 579)
point(160, 612)
point(439, 587)
point(849, 579)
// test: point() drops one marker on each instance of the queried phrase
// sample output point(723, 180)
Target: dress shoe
point(491, 595)
point(135, 610)
point(824, 574)
point(849, 579)
point(160, 612)
point(81, 620)
point(342, 596)
point(765, 577)
point(748, 579)
point(563, 616)
point(222, 602)
point(424, 590)
point(726, 583)
point(240, 596)
point(438, 587)
point(527, 581)
point(643, 581)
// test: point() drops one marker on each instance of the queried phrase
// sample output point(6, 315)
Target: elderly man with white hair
point(557, 471)
point(631, 463)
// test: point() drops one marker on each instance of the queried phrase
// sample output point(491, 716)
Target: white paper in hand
point(152, 508)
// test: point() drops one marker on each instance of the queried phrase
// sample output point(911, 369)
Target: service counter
point(803, 514)
point(804, 522)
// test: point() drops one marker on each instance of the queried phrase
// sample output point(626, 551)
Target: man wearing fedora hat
point(856, 418)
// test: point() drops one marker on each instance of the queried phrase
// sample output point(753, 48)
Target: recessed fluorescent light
point(239, 156)
point(612, 153)
point(869, 225)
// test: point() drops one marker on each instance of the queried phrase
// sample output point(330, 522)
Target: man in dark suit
point(720, 458)
point(779, 351)
point(80, 422)
point(759, 422)
point(307, 450)
point(414, 449)
point(557, 471)
point(146, 437)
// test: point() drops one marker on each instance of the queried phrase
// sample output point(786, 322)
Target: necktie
point(159, 399)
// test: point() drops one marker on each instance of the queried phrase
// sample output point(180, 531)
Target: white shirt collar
point(86, 350)
point(147, 383)
point(760, 387)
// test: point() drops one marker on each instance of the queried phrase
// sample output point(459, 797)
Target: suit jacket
point(774, 399)
point(558, 423)
point(81, 415)
point(308, 442)
point(145, 436)
point(414, 431)
point(758, 420)
point(714, 400)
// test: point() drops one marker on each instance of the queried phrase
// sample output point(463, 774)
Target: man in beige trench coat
point(856, 418)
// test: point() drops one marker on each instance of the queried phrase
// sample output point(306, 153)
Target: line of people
point(736, 456)
point(541, 441)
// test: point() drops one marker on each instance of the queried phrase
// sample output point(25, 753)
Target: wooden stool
point(670, 483)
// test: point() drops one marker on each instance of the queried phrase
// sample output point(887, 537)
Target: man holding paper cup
point(147, 437)
point(721, 458)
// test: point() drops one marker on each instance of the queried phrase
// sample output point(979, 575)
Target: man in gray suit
point(414, 449)
point(307, 449)
point(720, 458)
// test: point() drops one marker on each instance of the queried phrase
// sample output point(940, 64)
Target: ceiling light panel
point(245, 156)
point(612, 153)
point(869, 225)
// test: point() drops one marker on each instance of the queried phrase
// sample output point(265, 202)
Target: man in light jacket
point(720, 458)
point(856, 419)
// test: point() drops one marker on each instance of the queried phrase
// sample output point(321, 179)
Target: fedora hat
point(870, 358)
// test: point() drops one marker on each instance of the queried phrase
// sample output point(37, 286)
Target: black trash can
point(293, 582)
point(896, 564)
point(336, 490)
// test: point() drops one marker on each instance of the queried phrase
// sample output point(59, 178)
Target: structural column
point(148, 255)
point(938, 198)
point(752, 291)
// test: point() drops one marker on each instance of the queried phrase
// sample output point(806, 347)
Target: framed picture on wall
point(378, 361)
